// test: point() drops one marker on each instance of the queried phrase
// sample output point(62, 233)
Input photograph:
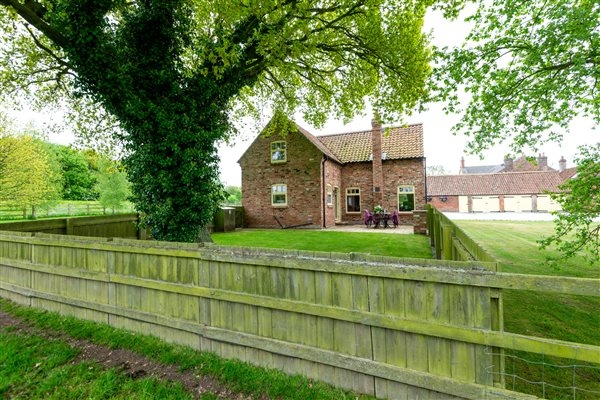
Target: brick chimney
point(377, 163)
point(542, 162)
point(462, 169)
point(508, 164)
point(562, 164)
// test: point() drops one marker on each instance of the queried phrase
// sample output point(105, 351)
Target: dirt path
point(132, 364)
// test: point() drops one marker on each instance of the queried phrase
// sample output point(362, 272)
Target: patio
point(400, 230)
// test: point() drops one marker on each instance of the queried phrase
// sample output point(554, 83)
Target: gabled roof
point(397, 143)
point(318, 144)
point(532, 182)
point(568, 173)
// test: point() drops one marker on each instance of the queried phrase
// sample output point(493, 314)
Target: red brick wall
point(357, 175)
point(395, 173)
point(404, 172)
point(450, 205)
point(333, 177)
point(301, 173)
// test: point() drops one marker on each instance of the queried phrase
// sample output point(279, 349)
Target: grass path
point(413, 246)
point(52, 366)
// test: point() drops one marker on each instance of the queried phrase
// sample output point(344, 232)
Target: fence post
point(437, 227)
point(447, 242)
point(69, 226)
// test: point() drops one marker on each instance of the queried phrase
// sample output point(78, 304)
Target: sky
point(441, 147)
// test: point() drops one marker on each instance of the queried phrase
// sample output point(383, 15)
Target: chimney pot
point(562, 164)
point(508, 164)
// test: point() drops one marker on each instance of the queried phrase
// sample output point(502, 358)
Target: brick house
point(303, 180)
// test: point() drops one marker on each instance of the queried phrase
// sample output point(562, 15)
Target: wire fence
point(545, 377)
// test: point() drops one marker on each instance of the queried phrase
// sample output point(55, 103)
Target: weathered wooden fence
point(121, 225)
point(395, 328)
point(451, 242)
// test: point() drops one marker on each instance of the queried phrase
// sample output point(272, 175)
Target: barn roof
point(531, 182)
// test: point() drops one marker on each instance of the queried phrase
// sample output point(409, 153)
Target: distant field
point(570, 318)
point(59, 209)
point(413, 246)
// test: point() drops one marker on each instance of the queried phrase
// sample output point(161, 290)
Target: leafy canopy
point(174, 73)
point(528, 69)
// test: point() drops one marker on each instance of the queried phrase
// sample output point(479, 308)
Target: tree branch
point(34, 19)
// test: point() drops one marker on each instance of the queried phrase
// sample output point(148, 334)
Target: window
point(278, 153)
point(329, 195)
point(406, 198)
point(279, 195)
point(353, 200)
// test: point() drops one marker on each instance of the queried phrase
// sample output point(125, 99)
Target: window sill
point(279, 205)
point(405, 212)
point(278, 162)
point(354, 212)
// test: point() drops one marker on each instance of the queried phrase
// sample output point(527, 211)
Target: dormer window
point(278, 152)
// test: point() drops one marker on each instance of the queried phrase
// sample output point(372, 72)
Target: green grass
point(59, 208)
point(413, 246)
point(238, 376)
point(563, 317)
point(32, 367)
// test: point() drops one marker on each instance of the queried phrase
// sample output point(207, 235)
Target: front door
point(336, 204)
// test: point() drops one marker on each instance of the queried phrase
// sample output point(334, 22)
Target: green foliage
point(577, 228)
point(233, 195)
point(78, 178)
point(528, 67)
point(173, 74)
point(26, 177)
point(113, 186)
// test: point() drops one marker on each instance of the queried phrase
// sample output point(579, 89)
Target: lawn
point(412, 246)
point(564, 317)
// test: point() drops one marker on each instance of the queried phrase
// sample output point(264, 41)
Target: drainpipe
point(323, 191)
point(425, 173)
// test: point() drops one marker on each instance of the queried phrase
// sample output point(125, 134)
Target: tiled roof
point(397, 143)
point(318, 144)
point(568, 173)
point(533, 182)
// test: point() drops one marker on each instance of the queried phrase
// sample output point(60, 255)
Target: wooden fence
point(451, 242)
point(62, 208)
point(395, 328)
point(121, 225)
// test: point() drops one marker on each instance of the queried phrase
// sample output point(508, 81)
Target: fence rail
point(451, 242)
point(389, 327)
point(8, 212)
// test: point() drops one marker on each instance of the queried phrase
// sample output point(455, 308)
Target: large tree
point(173, 73)
point(529, 68)
point(26, 177)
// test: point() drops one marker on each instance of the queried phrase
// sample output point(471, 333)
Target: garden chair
point(395, 218)
point(368, 218)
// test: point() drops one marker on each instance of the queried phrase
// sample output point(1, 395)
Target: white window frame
point(353, 194)
point(284, 192)
point(329, 195)
point(413, 192)
point(273, 150)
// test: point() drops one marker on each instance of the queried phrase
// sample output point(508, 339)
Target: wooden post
point(446, 242)
point(69, 226)
point(437, 227)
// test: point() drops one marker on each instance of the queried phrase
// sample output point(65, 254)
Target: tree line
point(35, 173)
